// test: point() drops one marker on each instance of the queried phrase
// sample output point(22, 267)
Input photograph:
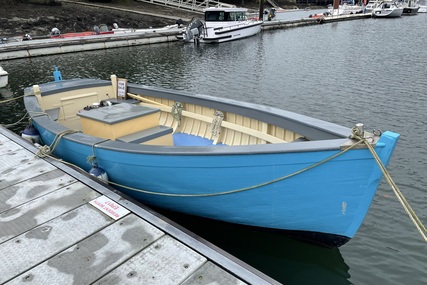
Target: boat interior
point(144, 119)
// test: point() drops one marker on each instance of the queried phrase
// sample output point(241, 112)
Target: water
point(371, 71)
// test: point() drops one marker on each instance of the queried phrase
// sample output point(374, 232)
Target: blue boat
point(242, 163)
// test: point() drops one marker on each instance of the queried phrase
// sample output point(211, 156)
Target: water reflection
point(288, 260)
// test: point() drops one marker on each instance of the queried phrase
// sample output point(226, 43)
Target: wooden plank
point(33, 188)
point(224, 124)
point(210, 273)
point(18, 166)
point(7, 146)
point(95, 256)
point(18, 220)
point(167, 261)
point(35, 246)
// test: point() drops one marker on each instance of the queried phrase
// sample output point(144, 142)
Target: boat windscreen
point(215, 16)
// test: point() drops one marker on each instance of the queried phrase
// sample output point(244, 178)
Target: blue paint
point(57, 76)
point(181, 139)
point(333, 198)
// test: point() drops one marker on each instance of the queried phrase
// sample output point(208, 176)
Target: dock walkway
point(61, 226)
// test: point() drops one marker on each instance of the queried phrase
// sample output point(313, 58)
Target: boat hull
point(4, 77)
point(226, 34)
point(410, 11)
point(273, 187)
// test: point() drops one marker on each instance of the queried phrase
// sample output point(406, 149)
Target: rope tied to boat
point(47, 150)
point(216, 123)
point(357, 133)
point(244, 188)
point(176, 112)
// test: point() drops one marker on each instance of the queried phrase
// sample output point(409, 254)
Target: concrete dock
point(39, 47)
point(61, 226)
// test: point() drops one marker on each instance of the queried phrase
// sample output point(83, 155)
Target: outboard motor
point(193, 31)
point(27, 37)
point(55, 32)
point(96, 30)
point(179, 22)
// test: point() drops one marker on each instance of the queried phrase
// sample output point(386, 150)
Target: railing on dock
point(193, 5)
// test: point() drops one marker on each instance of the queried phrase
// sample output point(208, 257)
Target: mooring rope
point(411, 213)
point(12, 99)
point(244, 188)
point(47, 150)
point(17, 122)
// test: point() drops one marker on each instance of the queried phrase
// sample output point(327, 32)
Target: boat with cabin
point(387, 9)
point(410, 8)
point(221, 24)
point(251, 165)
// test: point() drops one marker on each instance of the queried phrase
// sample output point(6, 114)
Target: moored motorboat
point(4, 77)
point(422, 4)
point(410, 8)
point(346, 9)
point(371, 5)
point(97, 30)
point(217, 158)
point(117, 30)
point(221, 25)
point(387, 9)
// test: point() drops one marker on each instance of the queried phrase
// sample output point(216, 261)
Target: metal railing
point(192, 5)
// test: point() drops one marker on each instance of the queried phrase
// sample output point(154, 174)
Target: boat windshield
point(215, 16)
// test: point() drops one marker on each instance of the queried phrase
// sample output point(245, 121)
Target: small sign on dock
point(109, 207)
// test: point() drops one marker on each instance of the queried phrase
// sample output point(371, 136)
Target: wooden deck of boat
point(61, 226)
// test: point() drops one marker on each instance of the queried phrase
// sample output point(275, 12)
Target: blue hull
point(272, 186)
point(332, 198)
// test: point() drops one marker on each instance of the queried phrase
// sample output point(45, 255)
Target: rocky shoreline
point(20, 18)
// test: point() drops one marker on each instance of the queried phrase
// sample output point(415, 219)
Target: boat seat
point(163, 135)
point(53, 113)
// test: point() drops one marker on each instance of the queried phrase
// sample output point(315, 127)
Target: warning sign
point(109, 207)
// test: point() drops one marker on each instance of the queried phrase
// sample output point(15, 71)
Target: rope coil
point(177, 112)
point(216, 123)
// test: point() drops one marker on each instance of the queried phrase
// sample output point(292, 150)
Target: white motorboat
point(410, 8)
point(387, 9)
point(4, 77)
point(346, 9)
point(372, 5)
point(423, 6)
point(221, 24)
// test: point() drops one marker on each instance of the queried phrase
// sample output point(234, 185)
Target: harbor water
point(370, 71)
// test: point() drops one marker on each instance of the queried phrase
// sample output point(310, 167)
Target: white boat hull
point(225, 34)
point(387, 10)
point(221, 25)
point(4, 77)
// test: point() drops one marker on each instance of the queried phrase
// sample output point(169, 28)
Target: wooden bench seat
point(159, 135)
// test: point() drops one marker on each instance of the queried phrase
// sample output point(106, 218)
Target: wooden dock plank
point(7, 145)
point(33, 247)
point(167, 261)
point(17, 166)
point(95, 256)
point(33, 188)
point(20, 219)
